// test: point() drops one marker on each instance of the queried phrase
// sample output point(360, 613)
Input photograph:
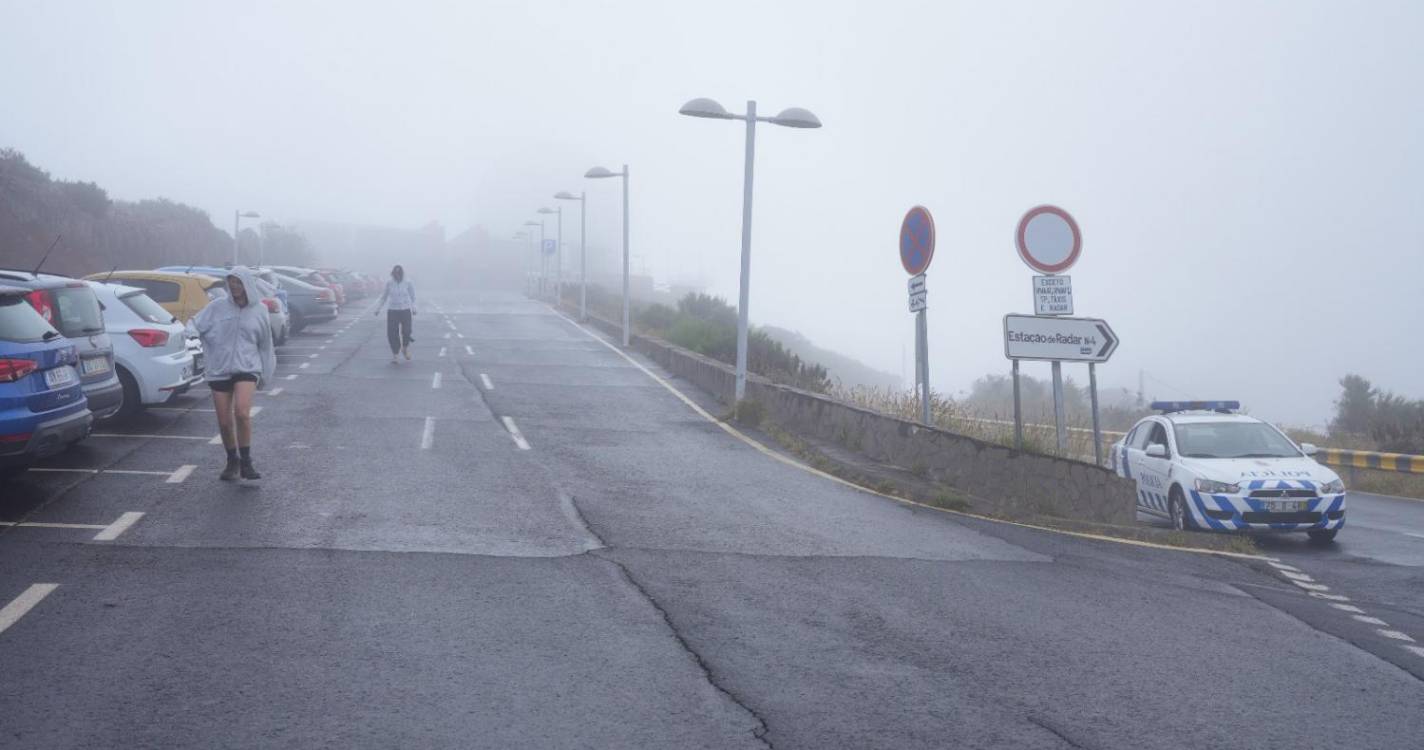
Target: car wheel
point(132, 403)
point(1177, 508)
point(1322, 536)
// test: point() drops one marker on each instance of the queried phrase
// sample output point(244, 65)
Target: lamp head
point(796, 117)
point(705, 108)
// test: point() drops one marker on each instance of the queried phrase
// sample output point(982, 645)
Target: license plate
point(95, 365)
point(1286, 506)
point(59, 376)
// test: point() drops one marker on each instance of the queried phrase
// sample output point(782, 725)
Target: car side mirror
point(1157, 450)
point(1309, 449)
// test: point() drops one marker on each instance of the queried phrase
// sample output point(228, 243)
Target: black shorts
point(225, 385)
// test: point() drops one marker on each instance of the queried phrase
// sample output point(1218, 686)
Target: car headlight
point(1217, 488)
point(1332, 488)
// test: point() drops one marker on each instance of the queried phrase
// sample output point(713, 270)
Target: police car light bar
point(1168, 407)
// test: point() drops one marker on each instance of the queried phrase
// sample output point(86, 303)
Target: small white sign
point(1052, 295)
point(917, 283)
point(917, 292)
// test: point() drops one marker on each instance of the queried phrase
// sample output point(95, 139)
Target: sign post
point(917, 245)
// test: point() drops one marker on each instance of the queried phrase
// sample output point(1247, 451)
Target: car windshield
point(1232, 440)
point(144, 306)
point(20, 322)
point(77, 311)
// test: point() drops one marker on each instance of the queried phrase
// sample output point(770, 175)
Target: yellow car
point(181, 294)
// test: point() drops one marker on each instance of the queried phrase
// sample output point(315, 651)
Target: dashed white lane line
point(460, 335)
point(273, 392)
point(442, 351)
point(12, 612)
point(113, 530)
point(427, 438)
point(180, 474)
point(1283, 566)
point(516, 434)
point(293, 376)
point(313, 356)
point(1331, 597)
point(1297, 576)
point(1416, 650)
point(469, 350)
point(485, 380)
point(1311, 586)
point(1366, 619)
point(1348, 608)
point(1395, 635)
point(304, 366)
point(435, 381)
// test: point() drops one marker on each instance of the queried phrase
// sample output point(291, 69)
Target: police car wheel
point(1177, 507)
point(1322, 536)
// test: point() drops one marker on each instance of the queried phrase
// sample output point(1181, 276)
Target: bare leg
point(222, 404)
point(242, 406)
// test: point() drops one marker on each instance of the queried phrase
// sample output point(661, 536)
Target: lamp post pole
point(600, 172)
point(582, 199)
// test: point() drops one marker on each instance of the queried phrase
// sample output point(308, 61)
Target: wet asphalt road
point(543, 547)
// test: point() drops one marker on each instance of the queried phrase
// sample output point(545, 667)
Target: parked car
point(71, 307)
point(182, 294)
point(351, 286)
point(310, 303)
point(42, 405)
point(150, 347)
point(279, 308)
point(315, 278)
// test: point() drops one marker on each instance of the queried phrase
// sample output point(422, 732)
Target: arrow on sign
point(1109, 342)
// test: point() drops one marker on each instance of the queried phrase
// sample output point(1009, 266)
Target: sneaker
point(229, 473)
point(248, 472)
point(406, 352)
point(395, 360)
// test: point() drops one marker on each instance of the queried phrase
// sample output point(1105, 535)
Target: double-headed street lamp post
point(238, 216)
point(794, 117)
point(599, 173)
point(564, 195)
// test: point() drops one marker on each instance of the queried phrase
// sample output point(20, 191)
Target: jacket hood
point(255, 286)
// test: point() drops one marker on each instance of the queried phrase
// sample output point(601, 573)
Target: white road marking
point(447, 335)
point(60, 470)
point(1348, 608)
point(427, 438)
point(254, 411)
point(48, 525)
point(1416, 536)
point(469, 351)
point(1311, 586)
point(1370, 620)
point(1416, 650)
point(304, 366)
point(274, 392)
point(442, 351)
point(1331, 597)
point(293, 376)
point(516, 434)
point(1395, 635)
point(12, 612)
point(435, 381)
point(1283, 566)
point(137, 435)
point(181, 473)
point(118, 527)
point(216, 440)
point(323, 346)
point(1297, 576)
point(460, 335)
point(486, 381)
point(313, 356)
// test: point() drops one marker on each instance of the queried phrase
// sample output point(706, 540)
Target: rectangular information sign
point(1053, 295)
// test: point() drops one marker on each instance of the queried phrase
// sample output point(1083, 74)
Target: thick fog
point(1247, 176)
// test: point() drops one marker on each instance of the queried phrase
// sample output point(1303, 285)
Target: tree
point(1355, 409)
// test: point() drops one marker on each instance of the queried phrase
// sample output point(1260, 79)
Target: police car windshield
point(1232, 440)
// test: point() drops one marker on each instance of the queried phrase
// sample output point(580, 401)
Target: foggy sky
point(1247, 175)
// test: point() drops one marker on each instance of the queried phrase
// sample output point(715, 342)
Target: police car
point(1203, 466)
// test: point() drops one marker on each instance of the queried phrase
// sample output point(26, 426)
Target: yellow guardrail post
point(1397, 462)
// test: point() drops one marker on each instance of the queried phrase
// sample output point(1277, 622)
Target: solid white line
point(435, 381)
point(181, 473)
point(47, 525)
point(1370, 620)
point(137, 435)
point(274, 392)
point(118, 527)
point(514, 433)
point(1396, 635)
point(1348, 608)
point(486, 381)
point(57, 470)
point(1416, 536)
point(469, 351)
point(293, 376)
point(304, 366)
point(427, 438)
point(12, 612)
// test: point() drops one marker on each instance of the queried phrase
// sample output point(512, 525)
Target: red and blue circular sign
point(917, 240)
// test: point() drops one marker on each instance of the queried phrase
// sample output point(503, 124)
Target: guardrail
point(1399, 462)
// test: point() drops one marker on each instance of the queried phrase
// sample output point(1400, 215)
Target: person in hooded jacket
point(237, 342)
point(400, 293)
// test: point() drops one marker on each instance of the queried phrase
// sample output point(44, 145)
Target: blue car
point(42, 405)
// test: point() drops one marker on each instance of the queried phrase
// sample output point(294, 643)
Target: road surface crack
point(1055, 731)
point(760, 731)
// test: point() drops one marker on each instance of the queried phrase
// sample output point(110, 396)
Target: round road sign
point(1048, 239)
point(917, 240)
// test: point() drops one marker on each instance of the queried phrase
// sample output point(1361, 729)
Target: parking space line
point(63, 470)
point(435, 381)
point(12, 612)
point(273, 392)
point(49, 525)
point(142, 435)
point(484, 379)
point(215, 440)
point(180, 474)
point(427, 438)
point(118, 527)
point(515, 433)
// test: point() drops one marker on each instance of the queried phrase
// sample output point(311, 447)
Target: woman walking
point(237, 343)
point(400, 294)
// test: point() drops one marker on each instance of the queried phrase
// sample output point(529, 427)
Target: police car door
point(1153, 472)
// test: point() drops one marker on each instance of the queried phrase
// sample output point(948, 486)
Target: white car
point(152, 351)
point(1201, 465)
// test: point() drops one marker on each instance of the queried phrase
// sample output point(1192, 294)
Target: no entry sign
point(1048, 239)
point(917, 240)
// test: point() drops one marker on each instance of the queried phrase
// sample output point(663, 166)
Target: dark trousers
point(398, 329)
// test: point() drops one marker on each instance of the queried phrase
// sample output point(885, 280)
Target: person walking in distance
point(399, 299)
point(237, 342)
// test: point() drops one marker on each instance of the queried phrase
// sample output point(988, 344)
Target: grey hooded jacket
point(237, 339)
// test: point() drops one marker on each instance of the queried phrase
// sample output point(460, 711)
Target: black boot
point(229, 473)
point(248, 472)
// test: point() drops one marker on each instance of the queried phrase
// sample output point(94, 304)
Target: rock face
point(1002, 480)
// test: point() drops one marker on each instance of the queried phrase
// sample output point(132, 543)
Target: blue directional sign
point(917, 240)
point(550, 247)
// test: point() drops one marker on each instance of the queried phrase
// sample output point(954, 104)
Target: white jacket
point(400, 294)
point(237, 339)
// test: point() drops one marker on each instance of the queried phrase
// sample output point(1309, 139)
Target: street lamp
point(540, 252)
point(565, 195)
point(794, 117)
point(558, 254)
point(236, 217)
point(600, 173)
